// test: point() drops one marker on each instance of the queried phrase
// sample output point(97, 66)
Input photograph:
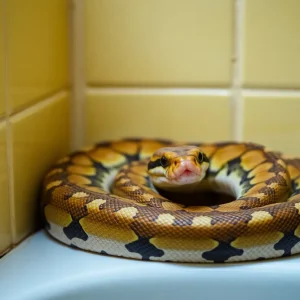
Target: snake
point(115, 198)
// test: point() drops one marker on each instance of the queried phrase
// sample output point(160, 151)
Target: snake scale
point(101, 199)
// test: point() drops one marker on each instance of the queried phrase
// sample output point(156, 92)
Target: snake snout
point(185, 166)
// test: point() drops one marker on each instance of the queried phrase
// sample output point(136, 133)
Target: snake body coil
point(263, 222)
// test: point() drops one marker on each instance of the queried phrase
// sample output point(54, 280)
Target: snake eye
point(200, 157)
point(164, 161)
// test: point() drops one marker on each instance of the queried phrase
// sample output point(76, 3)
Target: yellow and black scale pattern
point(263, 222)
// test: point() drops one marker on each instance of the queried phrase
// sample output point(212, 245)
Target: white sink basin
point(41, 268)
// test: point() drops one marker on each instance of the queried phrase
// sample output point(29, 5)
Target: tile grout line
point(77, 99)
point(192, 91)
point(158, 91)
point(237, 100)
point(9, 148)
point(35, 101)
point(39, 105)
point(270, 93)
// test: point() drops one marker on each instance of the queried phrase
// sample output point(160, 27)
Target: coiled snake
point(82, 209)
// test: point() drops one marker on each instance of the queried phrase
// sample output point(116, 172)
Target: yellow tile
point(40, 137)
point(169, 42)
point(37, 39)
point(5, 231)
point(2, 65)
point(271, 45)
point(179, 117)
point(273, 121)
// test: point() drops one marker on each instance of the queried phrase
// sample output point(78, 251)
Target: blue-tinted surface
point(40, 268)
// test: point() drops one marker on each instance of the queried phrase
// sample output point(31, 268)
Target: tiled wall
point(201, 70)
point(34, 107)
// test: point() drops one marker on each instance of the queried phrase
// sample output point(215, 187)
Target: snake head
point(177, 166)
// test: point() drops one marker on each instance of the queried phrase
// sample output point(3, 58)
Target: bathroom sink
point(41, 268)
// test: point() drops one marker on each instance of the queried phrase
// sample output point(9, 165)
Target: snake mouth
point(186, 176)
point(187, 173)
